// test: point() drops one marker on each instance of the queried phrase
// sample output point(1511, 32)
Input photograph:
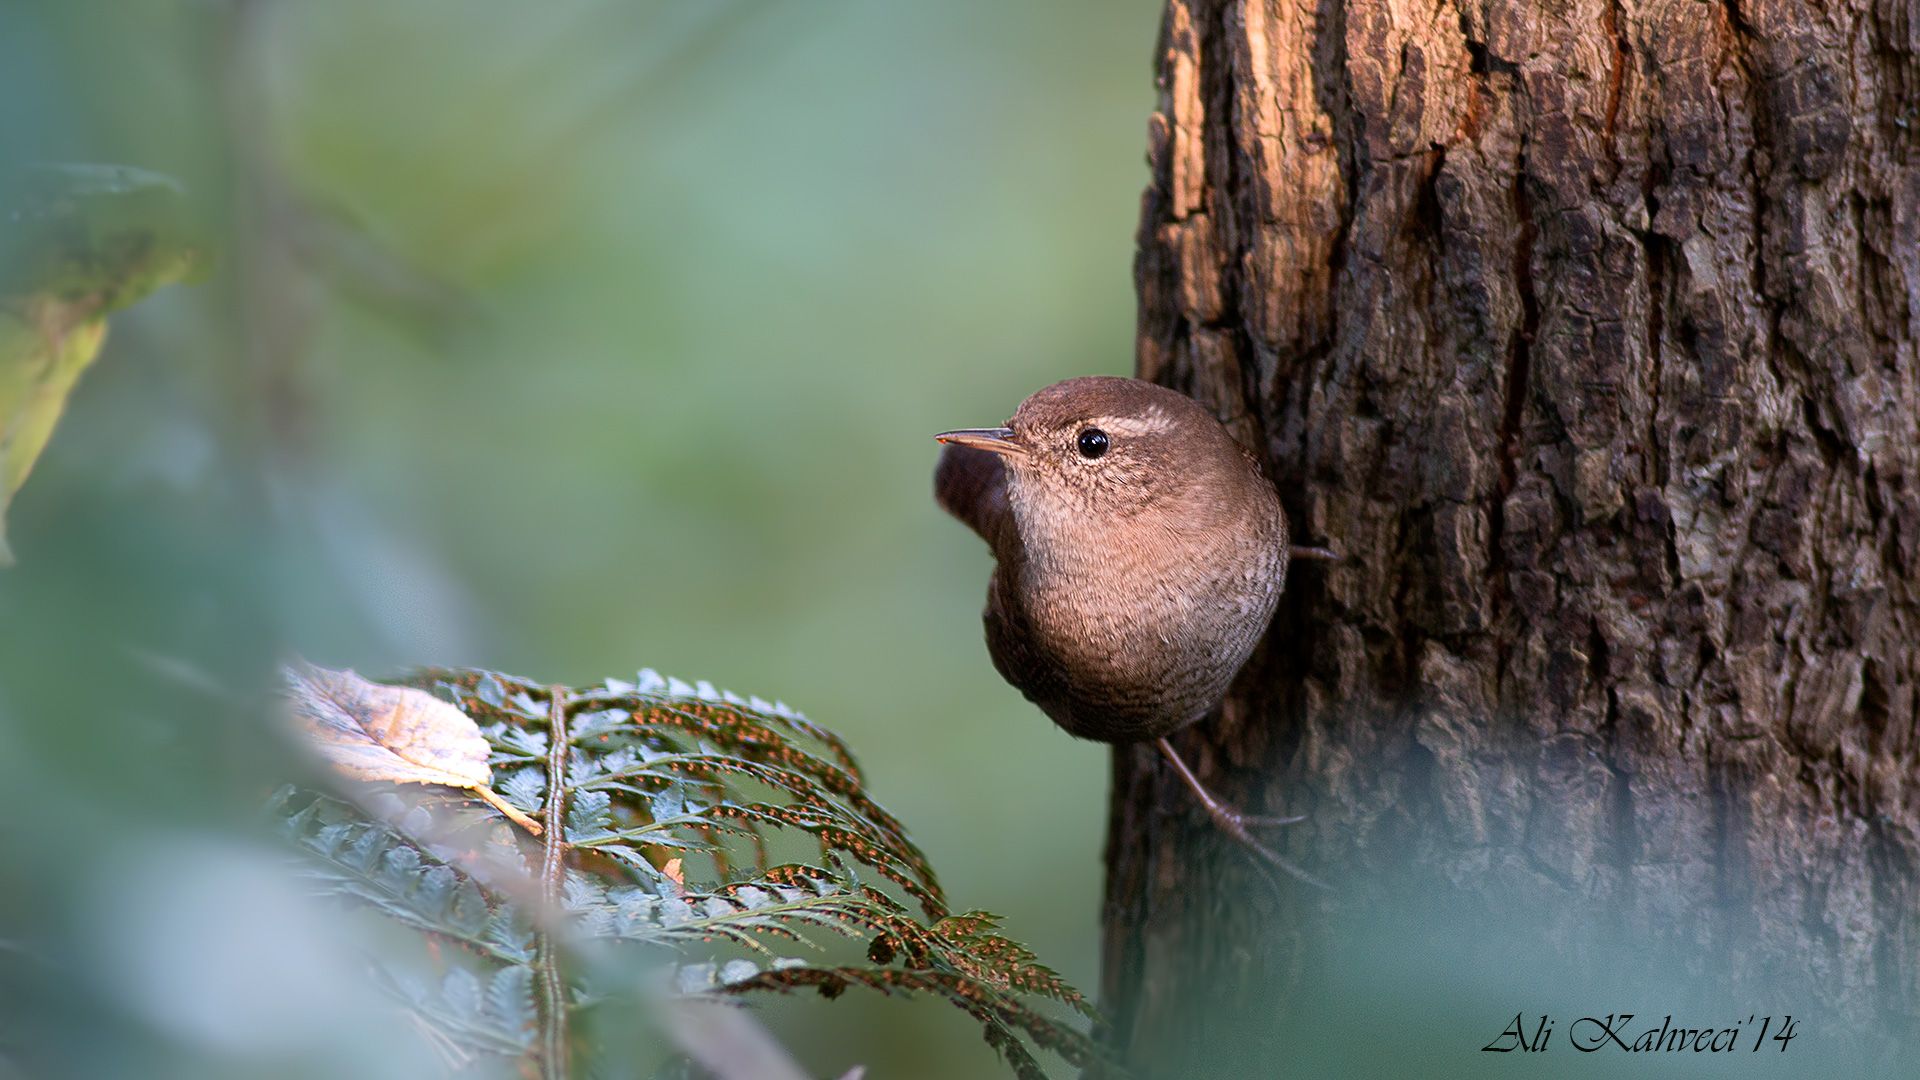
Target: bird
point(1139, 555)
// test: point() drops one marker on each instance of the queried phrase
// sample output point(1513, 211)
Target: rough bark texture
point(1586, 332)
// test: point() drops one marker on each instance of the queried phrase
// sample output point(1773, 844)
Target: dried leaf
point(392, 734)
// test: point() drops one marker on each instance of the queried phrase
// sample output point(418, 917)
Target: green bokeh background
point(619, 341)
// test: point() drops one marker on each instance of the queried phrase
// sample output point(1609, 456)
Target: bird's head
point(1109, 448)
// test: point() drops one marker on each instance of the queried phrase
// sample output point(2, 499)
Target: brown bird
point(1140, 556)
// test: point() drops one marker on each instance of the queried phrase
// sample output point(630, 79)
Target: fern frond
point(739, 743)
point(372, 863)
point(652, 772)
point(1002, 1019)
point(668, 740)
point(1005, 962)
point(713, 916)
point(497, 1016)
point(837, 834)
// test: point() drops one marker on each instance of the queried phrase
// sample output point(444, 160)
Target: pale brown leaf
point(392, 734)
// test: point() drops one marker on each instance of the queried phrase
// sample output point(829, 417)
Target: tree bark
point(1586, 334)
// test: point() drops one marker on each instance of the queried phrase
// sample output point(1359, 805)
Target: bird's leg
point(1233, 822)
point(1230, 819)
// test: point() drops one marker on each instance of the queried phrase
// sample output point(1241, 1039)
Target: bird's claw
point(1269, 822)
point(1234, 823)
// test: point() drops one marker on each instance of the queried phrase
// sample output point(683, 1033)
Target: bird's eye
point(1093, 442)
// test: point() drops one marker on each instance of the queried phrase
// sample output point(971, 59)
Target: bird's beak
point(997, 439)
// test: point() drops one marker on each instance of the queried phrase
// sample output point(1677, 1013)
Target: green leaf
point(76, 242)
point(102, 236)
point(44, 346)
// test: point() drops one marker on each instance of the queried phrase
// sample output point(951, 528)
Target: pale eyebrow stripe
point(1152, 422)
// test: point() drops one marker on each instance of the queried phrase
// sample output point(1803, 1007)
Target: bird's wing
point(1016, 654)
point(971, 484)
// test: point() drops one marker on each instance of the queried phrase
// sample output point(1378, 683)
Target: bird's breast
point(1147, 636)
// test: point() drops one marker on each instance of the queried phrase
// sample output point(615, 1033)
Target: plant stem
point(553, 984)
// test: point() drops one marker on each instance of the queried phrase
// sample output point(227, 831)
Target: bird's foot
point(1234, 823)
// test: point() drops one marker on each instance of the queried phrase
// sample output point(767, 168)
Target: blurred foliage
point(546, 338)
point(640, 786)
point(103, 236)
point(76, 243)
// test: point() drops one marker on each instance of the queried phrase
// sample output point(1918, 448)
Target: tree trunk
point(1586, 334)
